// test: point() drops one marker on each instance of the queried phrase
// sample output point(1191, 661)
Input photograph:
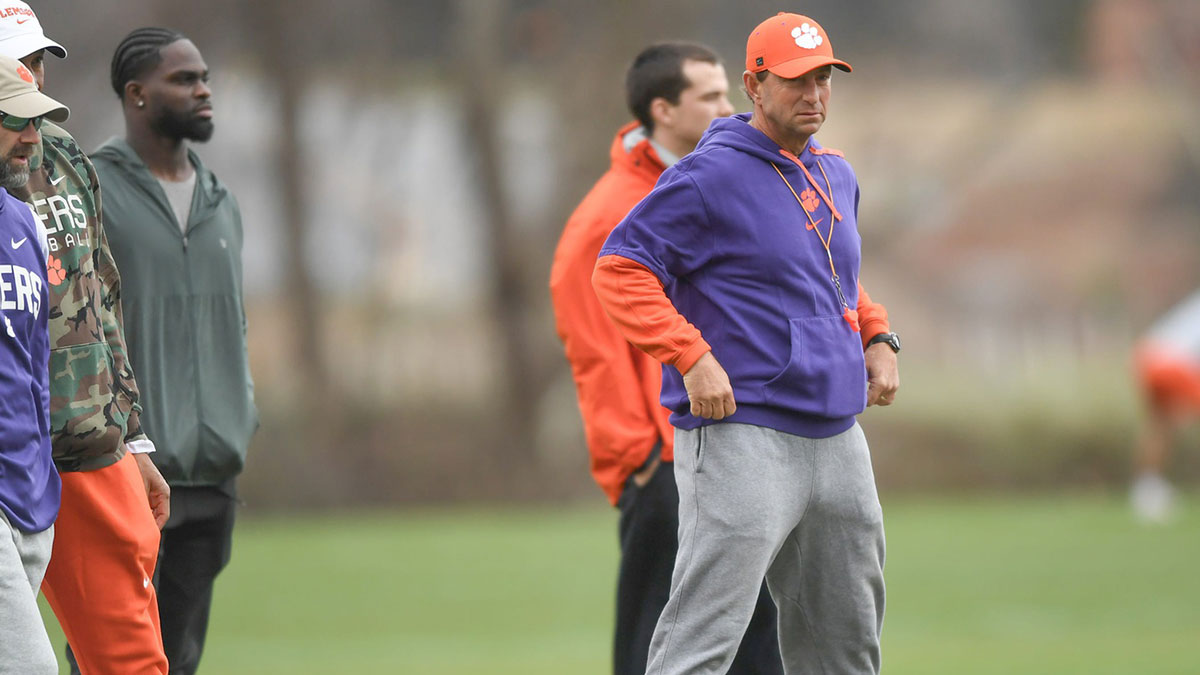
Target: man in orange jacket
point(674, 91)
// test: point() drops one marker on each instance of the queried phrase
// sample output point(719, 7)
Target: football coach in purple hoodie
point(740, 273)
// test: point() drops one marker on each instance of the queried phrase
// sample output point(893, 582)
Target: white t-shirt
point(179, 194)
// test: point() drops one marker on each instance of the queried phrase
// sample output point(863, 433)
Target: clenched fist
point(708, 389)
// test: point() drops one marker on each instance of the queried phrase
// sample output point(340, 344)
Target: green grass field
point(989, 585)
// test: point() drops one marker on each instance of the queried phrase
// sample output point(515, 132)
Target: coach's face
point(791, 110)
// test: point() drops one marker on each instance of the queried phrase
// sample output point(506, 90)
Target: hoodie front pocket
point(825, 374)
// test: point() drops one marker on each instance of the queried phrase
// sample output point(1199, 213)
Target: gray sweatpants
point(802, 512)
point(24, 646)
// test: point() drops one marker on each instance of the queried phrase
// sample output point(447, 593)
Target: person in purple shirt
point(739, 272)
point(29, 484)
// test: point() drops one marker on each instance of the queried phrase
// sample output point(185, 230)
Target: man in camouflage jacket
point(114, 501)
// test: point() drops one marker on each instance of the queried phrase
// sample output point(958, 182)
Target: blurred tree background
point(1028, 171)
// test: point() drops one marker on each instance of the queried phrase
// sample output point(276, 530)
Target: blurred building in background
point(1029, 174)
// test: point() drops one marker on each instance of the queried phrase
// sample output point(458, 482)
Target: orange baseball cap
point(790, 45)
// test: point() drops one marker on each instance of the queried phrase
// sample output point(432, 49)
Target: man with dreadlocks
point(113, 498)
point(177, 237)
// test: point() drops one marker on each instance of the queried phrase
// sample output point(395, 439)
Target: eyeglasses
point(14, 123)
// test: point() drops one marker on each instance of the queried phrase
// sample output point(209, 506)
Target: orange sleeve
point(872, 317)
point(637, 304)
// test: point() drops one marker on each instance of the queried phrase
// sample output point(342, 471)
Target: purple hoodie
point(731, 245)
point(29, 483)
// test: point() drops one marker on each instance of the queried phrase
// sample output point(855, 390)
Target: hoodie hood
point(121, 154)
point(735, 132)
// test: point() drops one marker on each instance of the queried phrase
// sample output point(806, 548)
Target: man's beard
point(182, 126)
point(11, 177)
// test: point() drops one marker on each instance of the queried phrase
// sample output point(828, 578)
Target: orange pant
point(99, 579)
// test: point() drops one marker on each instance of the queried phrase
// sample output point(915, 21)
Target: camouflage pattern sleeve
point(111, 321)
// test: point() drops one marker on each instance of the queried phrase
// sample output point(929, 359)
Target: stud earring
point(141, 104)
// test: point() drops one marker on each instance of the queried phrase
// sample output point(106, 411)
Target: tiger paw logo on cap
point(807, 36)
point(24, 74)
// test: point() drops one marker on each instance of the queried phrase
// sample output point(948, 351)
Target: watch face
point(891, 339)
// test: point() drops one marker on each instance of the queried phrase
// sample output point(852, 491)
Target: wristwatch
point(891, 339)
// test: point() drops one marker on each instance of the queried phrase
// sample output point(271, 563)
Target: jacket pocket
point(825, 374)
